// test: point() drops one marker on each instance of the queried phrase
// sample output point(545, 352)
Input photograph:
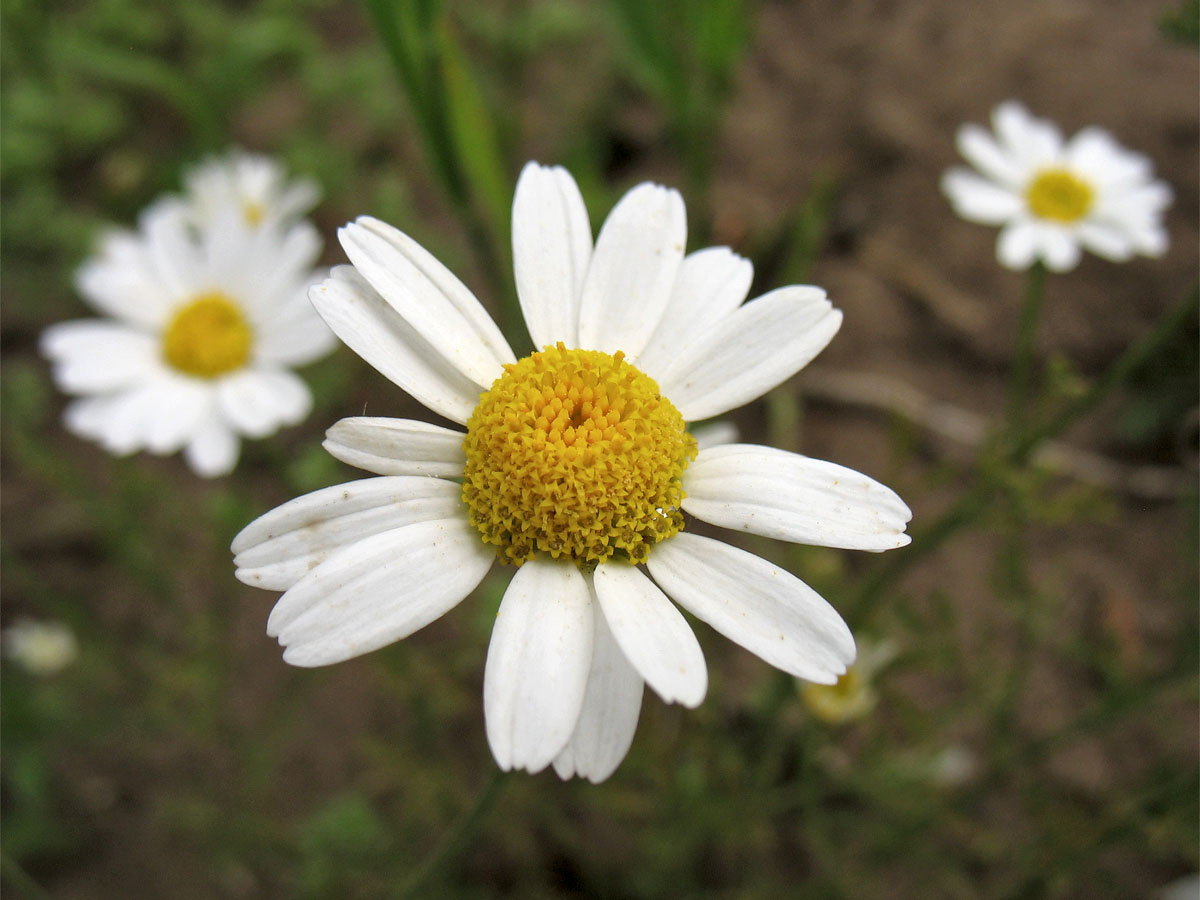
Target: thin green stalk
point(1023, 360)
point(975, 501)
point(1020, 594)
point(1118, 373)
point(456, 131)
point(456, 839)
point(20, 880)
point(924, 542)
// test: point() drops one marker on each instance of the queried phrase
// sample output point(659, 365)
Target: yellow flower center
point(575, 454)
point(208, 337)
point(849, 698)
point(1060, 196)
point(253, 213)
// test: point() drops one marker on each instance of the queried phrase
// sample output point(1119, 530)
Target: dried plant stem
point(971, 430)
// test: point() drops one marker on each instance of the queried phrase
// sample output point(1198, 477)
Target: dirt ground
point(870, 93)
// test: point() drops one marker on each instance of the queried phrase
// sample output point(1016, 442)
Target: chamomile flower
point(205, 323)
point(574, 465)
point(39, 647)
point(1052, 198)
point(256, 185)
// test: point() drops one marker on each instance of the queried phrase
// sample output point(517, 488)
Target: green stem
point(1117, 374)
point(975, 501)
point(455, 840)
point(20, 880)
point(1020, 596)
point(925, 541)
point(1022, 372)
point(421, 49)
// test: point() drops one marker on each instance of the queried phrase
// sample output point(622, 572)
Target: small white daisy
point(206, 321)
point(575, 466)
point(1051, 197)
point(40, 648)
point(257, 185)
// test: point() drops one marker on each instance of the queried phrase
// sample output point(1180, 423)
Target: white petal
point(87, 417)
point(121, 281)
point(711, 284)
point(121, 422)
point(373, 330)
point(428, 297)
point(1059, 249)
point(277, 549)
point(212, 449)
point(1151, 241)
point(978, 200)
point(378, 590)
point(1094, 154)
point(759, 346)
point(170, 249)
point(1016, 248)
point(980, 149)
point(652, 633)
point(93, 356)
point(295, 336)
point(300, 196)
point(790, 497)
point(397, 446)
point(296, 343)
point(552, 246)
point(258, 402)
point(537, 664)
point(190, 402)
point(608, 720)
point(633, 268)
point(767, 610)
point(1031, 141)
point(1105, 240)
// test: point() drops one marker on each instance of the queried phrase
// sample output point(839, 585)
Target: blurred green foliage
point(1183, 24)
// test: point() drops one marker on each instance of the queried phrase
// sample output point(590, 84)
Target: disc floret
point(1060, 196)
point(575, 454)
point(208, 337)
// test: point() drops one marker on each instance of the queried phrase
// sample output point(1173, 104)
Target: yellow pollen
point(208, 337)
point(253, 213)
point(1059, 196)
point(575, 454)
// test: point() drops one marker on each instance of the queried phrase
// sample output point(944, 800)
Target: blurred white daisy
point(41, 648)
point(257, 185)
point(576, 466)
point(853, 696)
point(1053, 198)
point(205, 322)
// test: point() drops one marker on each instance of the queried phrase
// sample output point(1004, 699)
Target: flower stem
point(456, 839)
point(20, 880)
point(1117, 374)
point(977, 499)
point(1022, 372)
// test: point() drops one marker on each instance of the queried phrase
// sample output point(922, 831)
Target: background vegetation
point(1035, 733)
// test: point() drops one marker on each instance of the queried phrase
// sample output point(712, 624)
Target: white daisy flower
point(1053, 198)
point(576, 466)
point(40, 648)
point(206, 322)
point(257, 185)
